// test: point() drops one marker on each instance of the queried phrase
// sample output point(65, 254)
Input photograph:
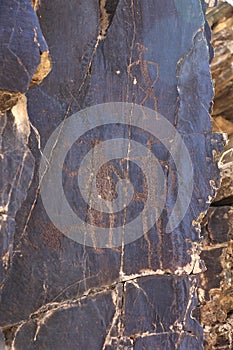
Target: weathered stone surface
point(71, 325)
point(225, 193)
point(218, 225)
point(149, 310)
point(24, 53)
point(215, 291)
point(221, 21)
point(184, 341)
point(143, 294)
point(17, 166)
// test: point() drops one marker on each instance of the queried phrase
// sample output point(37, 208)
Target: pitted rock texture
point(215, 291)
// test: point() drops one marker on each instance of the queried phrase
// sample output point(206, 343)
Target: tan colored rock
point(221, 22)
point(221, 124)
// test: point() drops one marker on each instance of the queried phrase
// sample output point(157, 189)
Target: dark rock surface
point(24, 56)
point(74, 325)
point(58, 293)
point(17, 166)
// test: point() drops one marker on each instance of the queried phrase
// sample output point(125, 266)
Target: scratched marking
point(144, 69)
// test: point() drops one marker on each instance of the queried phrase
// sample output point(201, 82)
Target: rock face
point(144, 59)
point(215, 291)
point(24, 52)
point(221, 20)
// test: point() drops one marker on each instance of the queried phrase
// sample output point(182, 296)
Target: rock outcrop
point(73, 286)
